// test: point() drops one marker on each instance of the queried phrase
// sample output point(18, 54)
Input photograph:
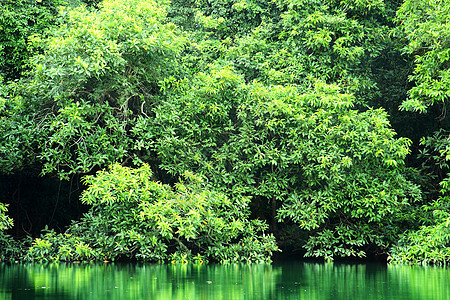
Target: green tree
point(430, 243)
point(8, 247)
point(425, 27)
point(98, 71)
point(134, 217)
point(20, 20)
point(297, 42)
point(267, 100)
point(306, 156)
point(5, 221)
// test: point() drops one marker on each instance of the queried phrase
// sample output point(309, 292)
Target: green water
point(277, 281)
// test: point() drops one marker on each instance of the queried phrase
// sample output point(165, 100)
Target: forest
point(224, 130)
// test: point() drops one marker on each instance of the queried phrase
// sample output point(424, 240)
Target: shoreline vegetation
point(224, 130)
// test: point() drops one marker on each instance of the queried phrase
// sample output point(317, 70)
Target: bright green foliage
point(60, 247)
point(117, 54)
point(336, 172)
point(135, 217)
point(99, 70)
point(18, 132)
point(286, 42)
point(430, 244)
point(96, 136)
point(7, 245)
point(427, 28)
point(332, 41)
point(265, 100)
point(19, 21)
point(5, 221)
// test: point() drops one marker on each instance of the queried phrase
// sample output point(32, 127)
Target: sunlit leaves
point(309, 150)
point(136, 217)
point(120, 49)
point(97, 73)
point(426, 28)
point(5, 221)
point(20, 22)
point(430, 244)
point(267, 99)
point(336, 41)
point(426, 25)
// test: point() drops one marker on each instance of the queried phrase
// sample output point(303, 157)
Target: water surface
point(277, 281)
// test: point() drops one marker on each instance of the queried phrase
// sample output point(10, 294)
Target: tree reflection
point(277, 281)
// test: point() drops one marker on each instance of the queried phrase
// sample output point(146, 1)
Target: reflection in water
point(277, 281)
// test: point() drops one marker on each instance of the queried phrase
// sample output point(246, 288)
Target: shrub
point(430, 244)
point(136, 218)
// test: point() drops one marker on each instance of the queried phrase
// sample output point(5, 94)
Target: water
point(277, 281)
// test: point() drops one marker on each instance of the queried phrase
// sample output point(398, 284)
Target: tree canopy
point(282, 109)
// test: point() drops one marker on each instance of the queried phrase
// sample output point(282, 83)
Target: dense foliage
point(7, 244)
point(20, 20)
point(98, 72)
point(134, 217)
point(430, 244)
point(5, 221)
point(334, 171)
point(280, 107)
point(425, 25)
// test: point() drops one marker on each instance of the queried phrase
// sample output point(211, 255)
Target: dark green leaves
point(426, 25)
point(325, 164)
